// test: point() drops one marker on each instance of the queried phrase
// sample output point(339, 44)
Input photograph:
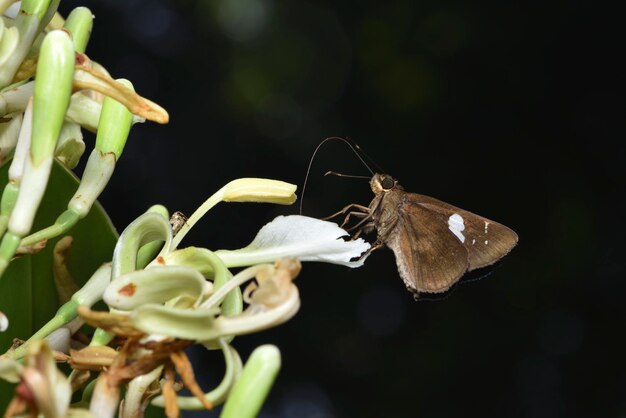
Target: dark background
point(507, 109)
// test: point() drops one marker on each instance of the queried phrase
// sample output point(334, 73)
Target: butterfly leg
point(367, 228)
point(351, 206)
point(364, 217)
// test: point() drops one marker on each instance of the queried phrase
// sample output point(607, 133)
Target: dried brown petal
point(60, 357)
point(78, 378)
point(92, 358)
point(169, 394)
point(63, 280)
point(16, 406)
point(31, 249)
point(183, 365)
point(274, 283)
point(114, 323)
point(91, 79)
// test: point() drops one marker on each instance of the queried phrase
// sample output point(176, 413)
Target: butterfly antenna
point(352, 146)
point(370, 159)
point(350, 176)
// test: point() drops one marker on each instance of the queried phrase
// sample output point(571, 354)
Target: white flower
point(307, 239)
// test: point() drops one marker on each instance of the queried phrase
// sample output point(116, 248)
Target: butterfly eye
point(387, 183)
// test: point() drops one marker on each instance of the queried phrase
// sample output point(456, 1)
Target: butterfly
point(434, 243)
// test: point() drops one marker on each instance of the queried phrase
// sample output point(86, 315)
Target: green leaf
point(27, 292)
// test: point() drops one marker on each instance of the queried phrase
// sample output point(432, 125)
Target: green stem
point(8, 246)
point(90, 293)
point(64, 315)
point(248, 395)
point(195, 217)
point(9, 196)
point(63, 224)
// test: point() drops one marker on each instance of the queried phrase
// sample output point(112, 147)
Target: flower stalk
point(51, 98)
point(113, 130)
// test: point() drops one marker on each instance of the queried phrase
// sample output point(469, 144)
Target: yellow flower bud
point(259, 190)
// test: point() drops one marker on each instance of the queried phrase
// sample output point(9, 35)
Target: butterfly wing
point(486, 241)
point(429, 257)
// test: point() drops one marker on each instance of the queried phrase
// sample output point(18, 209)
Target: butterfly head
point(381, 183)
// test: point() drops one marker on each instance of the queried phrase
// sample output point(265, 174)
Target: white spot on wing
point(486, 242)
point(456, 225)
point(486, 226)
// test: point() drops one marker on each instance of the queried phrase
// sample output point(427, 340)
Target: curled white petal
point(307, 239)
point(154, 285)
point(204, 325)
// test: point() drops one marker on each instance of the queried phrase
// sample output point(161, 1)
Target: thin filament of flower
point(237, 280)
point(195, 217)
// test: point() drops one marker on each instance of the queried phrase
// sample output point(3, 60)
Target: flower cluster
point(159, 298)
point(178, 298)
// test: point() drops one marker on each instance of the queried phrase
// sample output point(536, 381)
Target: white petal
point(308, 239)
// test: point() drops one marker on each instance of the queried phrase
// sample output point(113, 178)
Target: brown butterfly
point(434, 243)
